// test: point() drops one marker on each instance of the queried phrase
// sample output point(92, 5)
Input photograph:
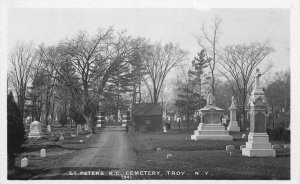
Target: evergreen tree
point(15, 130)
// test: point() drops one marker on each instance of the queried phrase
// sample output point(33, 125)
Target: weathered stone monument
point(233, 125)
point(35, 130)
point(24, 162)
point(210, 127)
point(48, 128)
point(258, 144)
point(43, 153)
point(78, 129)
point(86, 127)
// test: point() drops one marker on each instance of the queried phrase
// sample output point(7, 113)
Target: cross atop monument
point(211, 99)
point(257, 77)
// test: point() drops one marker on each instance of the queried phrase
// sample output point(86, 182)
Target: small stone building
point(147, 116)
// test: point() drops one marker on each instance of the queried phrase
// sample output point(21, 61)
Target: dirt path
point(109, 149)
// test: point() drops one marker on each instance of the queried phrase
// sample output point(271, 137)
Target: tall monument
point(258, 144)
point(233, 125)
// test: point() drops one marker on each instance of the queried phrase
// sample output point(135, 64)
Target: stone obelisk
point(233, 125)
point(258, 144)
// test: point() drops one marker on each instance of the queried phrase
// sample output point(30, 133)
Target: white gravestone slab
point(78, 128)
point(86, 127)
point(158, 149)
point(169, 156)
point(35, 130)
point(230, 148)
point(287, 146)
point(61, 138)
point(48, 128)
point(43, 153)
point(24, 162)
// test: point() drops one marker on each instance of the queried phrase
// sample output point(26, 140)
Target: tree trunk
point(90, 122)
point(11, 162)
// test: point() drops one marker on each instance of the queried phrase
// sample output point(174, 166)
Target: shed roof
point(141, 109)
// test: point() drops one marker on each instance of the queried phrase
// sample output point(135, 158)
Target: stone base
point(258, 146)
point(212, 137)
point(34, 135)
point(211, 132)
point(233, 127)
point(258, 152)
point(236, 135)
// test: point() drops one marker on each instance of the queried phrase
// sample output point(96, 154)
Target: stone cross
point(211, 99)
point(257, 77)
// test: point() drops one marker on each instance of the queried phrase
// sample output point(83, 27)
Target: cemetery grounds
point(134, 155)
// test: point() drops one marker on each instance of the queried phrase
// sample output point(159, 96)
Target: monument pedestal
point(233, 127)
point(258, 145)
point(211, 132)
point(35, 130)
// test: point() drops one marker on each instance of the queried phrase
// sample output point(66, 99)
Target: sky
point(238, 26)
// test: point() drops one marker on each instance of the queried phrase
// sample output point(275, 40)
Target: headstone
point(78, 128)
point(165, 129)
point(24, 162)
point(73, 135)
point(43, 153)
point(287, 146)
point(35, 130)
point(244, 136)
point(242, 146)
point(80, 140)
point(230, 148)
point(169, 156)
point(86, 127)
point(258, 144)
point(224, 121)
point(61, 138)
point(48, 128)
point(233, 125)
point(158, 149)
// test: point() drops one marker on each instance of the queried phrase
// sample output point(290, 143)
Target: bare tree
point(209, 42)
point(159, 62)
point(237, 66)
point(21, 59)
point(84, 65)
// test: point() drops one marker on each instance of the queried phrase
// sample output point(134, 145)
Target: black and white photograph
point(195, 91)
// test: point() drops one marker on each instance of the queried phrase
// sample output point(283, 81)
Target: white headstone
point(73, 135)
point(158, 149)
point(86, 127)
point(78, 128)
point(165, 129)
point(48, 128)
point(35, 130)
point(169, 156)
point(287, 146)
point(244, 136)
point(24, 162)
point(61, 138)
point(80, 140)
point(230, 148)
point(43, 153)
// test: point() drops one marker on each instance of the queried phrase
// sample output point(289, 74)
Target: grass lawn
point(203, 159)
point(57, 151)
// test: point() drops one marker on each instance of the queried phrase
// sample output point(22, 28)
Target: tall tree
point(21, 59)
point(85, 63)
point(209, 42)
point(238, 63)
point(15, 131)
point(159, 62)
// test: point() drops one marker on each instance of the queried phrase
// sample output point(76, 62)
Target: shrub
point(15, 131)
point(276, 134)
point(286, 135)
